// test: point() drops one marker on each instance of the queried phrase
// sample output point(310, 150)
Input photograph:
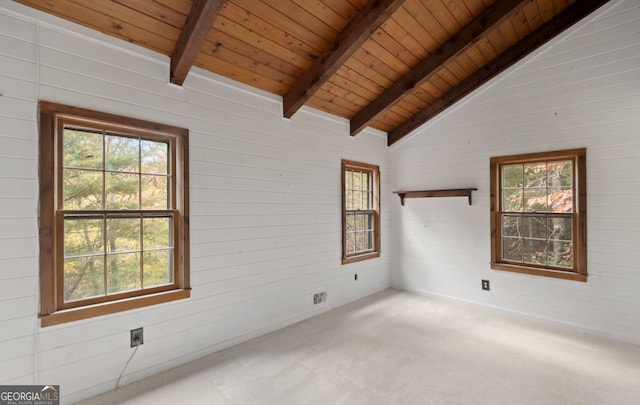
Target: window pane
point(512, 176)
point(123, 272)
point(365, 181)
point(361, 241)
point(512, 200)
point(534, 226)
point(535, 175)
point(512, 225)
point(512, 249)
point(121, 191)
point(157, 233)
point(82, 189)
point(361, 221)
point(122, 154)
point(349, 200)
point(560, 254)
point(560, 174)
point(155, 157)
point(560, 199)
point(83, 277)
point(535, 199)
point(123, 235)
point(157, 268)
point(155, 193)
point(534, 251)
point(560, 228)
point(83, 236)
point(82, 149)
point(357, 180)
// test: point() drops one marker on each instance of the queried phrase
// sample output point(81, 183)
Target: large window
point(360, 211)
point(113, 213)
point(538, 214)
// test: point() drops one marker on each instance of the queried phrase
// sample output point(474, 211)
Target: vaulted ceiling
point(388, 64)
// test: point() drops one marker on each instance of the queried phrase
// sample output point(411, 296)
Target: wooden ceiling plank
point(347, 42)
point(571, 15)
point(397, 49)
point(497, 41)
point(257, 27)
point(245, 56)
point(245, 34)
point(379, 60)
point(358, 80)
point(415, 29)
point(80, 14)
point(394, 29)
point(156, 10)
point(443, 15)
point(487, 49)
point(429, 23)
point(509, 33)
point(546, 9)
point(192, 37)
point(293, 27)
point(463, 40)
point(520, 24)
point(343, 8)
point(532, 13)
point(133, 18)
point(373, 75)
point(240, 74)
point(181, 6)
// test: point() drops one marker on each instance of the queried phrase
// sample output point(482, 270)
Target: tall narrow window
point(538, 207)
point(113, 206)
point(360, 211)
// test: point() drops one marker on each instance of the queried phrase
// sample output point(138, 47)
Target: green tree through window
point(117, 214)
point(112, 252)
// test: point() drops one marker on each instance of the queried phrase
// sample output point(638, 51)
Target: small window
point(360, 211)
point(538, 209)
point(113, 209)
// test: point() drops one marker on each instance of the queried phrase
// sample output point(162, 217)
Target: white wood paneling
point(582, 90)
point(265, 207)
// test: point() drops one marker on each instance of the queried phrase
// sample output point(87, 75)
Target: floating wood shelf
point(456, 192)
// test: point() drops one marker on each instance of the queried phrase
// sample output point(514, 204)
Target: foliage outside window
point(538, 207)
point(113, 209)
point(360, 211)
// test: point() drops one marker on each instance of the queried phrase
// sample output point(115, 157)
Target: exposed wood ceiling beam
point(528, 44)
point(192, 37)
point(426, 69)
point(348, 41)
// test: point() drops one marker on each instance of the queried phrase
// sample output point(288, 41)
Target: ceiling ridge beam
point(469, 35)
point(192, 37)
point(547, 31)
point(358, 31)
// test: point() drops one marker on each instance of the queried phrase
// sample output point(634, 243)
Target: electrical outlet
point(319, 298)
point(137, 337)
point(485, 285)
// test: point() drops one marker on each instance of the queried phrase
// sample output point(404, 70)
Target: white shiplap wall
point(265, 208)
point(582, 90)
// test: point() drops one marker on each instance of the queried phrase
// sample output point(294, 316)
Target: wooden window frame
point(579, 214)
point(375, 210)
point(53, 309)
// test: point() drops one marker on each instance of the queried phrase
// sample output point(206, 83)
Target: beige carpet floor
point(399, 348)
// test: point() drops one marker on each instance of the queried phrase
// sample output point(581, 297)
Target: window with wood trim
point(539, 214)
point(360, 211)
point(113, 213)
